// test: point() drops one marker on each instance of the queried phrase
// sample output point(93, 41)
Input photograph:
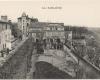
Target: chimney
point(4, 18)
point(9, 21)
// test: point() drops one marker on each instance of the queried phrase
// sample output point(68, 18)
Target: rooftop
point(4, 22)
point(45, 24)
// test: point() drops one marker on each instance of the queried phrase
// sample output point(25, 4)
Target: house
point(23, 24)
point(36, 30)
point(54, 31)
point(5, 33)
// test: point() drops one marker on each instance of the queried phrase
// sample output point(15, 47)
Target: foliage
point(14, 29)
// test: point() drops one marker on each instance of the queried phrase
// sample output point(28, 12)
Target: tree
point(91, 53)
point(14, 29)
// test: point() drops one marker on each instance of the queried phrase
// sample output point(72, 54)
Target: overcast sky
point(73, 12)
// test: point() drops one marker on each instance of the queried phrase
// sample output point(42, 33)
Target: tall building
point(40, 30)
point(5, 33)
point(23, 24)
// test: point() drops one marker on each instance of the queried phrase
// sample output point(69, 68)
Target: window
point(6, 26)
point(56, 28)
point(23, 27)
point(23, 20)
point(27, 24)
point(50, 28)
point(2, 27)
point(5, 45)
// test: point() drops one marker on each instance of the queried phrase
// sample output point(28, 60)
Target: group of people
point(40, 45)
point(53, 44)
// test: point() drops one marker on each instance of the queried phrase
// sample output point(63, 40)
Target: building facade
point(54, 31)
point(36, 30)
point(23, 24)
point(48, 31)
point(5, 33)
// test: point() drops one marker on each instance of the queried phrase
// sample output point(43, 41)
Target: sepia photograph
point(49, 39)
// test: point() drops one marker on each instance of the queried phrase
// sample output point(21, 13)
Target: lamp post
point(76, 70)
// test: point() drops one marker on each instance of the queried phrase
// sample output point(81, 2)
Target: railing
point(83, 60)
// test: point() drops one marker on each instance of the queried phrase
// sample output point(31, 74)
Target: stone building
point(5, 33)
point(36, 30)
point(23, 24)
point(40, 30)
point(54, 31)
point(48, 31)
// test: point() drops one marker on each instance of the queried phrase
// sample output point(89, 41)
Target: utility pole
point(26, 61)
point(26, 68)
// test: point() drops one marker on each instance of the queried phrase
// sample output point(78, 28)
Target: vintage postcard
point(49, 39)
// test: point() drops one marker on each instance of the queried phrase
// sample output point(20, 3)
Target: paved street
point(34, 58)
point(18, 65)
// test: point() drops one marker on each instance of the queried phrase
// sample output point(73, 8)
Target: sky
point(71, 12)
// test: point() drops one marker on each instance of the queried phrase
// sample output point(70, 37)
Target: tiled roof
point(44, 24)
point(38, 25)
